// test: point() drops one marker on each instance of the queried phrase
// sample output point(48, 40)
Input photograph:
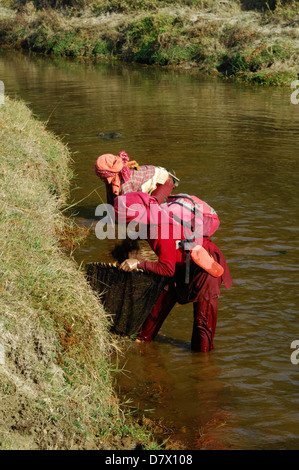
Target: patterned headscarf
point(112, 168)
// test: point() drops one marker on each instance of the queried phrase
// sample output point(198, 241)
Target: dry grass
point(55, 385)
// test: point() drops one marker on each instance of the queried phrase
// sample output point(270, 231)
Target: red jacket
point(171, 263)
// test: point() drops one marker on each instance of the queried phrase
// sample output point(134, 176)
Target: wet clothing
point(204, 324)
point(203, 289)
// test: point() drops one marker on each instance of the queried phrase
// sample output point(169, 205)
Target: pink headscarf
point(112, 167)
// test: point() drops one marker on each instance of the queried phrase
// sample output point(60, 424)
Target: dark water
point(237, 148)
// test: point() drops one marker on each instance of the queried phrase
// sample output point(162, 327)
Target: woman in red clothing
point(203, 289)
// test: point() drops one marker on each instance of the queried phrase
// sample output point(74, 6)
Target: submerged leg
point(158, 314)
point(204, 325)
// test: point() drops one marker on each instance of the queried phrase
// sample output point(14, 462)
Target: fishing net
point(127, 297)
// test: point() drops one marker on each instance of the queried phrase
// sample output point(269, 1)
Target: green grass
point(223, 43)
point(262, 65)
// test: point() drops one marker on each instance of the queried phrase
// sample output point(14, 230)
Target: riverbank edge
point(249, 47)
point(56, 374)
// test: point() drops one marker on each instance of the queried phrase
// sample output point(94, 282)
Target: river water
point(235, 147)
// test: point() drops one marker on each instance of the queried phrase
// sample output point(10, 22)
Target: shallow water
point(237, 148)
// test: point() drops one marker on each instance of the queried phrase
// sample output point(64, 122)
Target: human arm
point(129, 264)
point(165, 266)
point(165, 249)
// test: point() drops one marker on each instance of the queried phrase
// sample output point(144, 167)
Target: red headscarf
point(112, 168)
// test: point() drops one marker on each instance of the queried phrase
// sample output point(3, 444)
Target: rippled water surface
point(237, 148)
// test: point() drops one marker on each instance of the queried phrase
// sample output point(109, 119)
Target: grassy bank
point(252, 41)
point(55, 379)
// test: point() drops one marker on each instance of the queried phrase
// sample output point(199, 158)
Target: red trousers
point(204, 324)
